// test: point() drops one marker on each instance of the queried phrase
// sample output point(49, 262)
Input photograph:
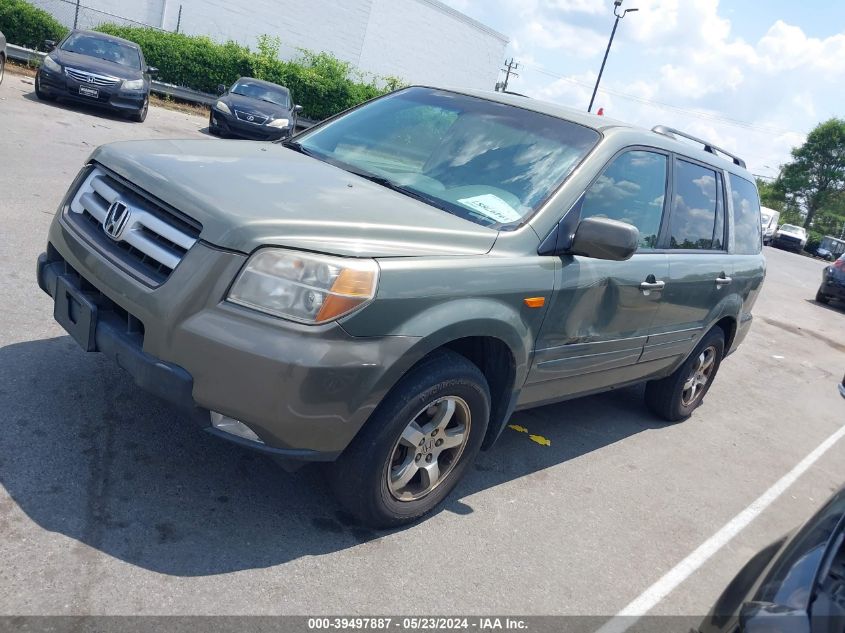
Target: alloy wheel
point(702, 371)
point(429, 448)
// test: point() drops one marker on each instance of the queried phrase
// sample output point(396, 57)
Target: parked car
point(443, 259)
point(2, 56)
point(769, 221)
point(96, 69)
point(833, 282)
point(832, 245)
point(824, 254)
point(795, 584)
point(254, 109)
point(790, 237)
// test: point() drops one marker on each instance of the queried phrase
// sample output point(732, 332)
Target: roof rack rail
point(708, 147)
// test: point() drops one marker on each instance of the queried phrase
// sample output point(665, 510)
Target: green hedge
point(26, 25)
point(321, 83)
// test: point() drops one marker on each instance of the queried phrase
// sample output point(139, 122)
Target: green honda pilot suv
point(384, 290)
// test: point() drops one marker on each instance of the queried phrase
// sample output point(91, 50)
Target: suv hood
point(249, 194)
point(796, 234)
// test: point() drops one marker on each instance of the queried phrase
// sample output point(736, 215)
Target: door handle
point(652, 285)
point(723, 281)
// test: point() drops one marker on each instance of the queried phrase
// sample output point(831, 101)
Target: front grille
point(152, 239)
point(257, 119)
point(85, 77)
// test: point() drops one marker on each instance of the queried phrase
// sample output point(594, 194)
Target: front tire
point(416, 445)
point(821, 297)
point(139, 116)
point(675, 397)
point(39, 92)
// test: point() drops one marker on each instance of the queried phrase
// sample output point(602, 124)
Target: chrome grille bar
point(91, 78)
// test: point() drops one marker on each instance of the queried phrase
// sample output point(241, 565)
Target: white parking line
point(649, 598)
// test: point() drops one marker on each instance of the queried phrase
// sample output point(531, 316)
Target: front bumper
point(305, 391)
point(231, 125)
point(788, 243)
point(832, 287)
point(114, 98)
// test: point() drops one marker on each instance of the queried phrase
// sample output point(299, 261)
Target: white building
point(420, 41)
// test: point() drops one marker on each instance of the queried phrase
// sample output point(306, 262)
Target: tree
point(816, 175)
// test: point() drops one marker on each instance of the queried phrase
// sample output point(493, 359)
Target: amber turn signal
point(534, 302)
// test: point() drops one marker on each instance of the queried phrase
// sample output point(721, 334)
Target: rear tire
point(675, 397)
point(417, 444)
point(821, 297)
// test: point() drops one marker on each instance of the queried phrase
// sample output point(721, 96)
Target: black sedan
point(254, 109)
point(97, 69)
point(796, 584)
point(833, 282)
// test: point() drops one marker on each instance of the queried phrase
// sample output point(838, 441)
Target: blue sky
point(754, 76)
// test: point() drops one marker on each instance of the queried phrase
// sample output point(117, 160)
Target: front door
point(601, 312)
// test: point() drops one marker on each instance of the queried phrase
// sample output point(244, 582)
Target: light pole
point(616, 5)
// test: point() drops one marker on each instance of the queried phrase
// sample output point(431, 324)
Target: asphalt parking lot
point(111, 504)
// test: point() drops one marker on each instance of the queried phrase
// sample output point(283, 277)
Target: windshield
point(100, 48)
point(262, 91)
point(793, 229)
point(490, 163)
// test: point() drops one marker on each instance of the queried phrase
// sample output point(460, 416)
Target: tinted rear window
point(697, 217)
point(746, 210)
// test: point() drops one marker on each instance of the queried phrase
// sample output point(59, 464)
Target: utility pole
point(616, 5)
point(508, 69)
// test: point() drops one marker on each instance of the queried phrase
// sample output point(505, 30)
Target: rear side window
point(746, 208)
point(697, 220)
point(631, 189)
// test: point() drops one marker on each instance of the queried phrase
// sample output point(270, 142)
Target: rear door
point(700, 271)
point(601, 311)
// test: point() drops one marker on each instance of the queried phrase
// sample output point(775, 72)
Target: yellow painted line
point(542, 441)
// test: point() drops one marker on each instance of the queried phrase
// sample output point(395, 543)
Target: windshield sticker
point(492, 207)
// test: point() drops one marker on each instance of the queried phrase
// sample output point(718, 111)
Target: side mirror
point(221, 88)
point(603, 238)
point(297, 108)
point(49, 45)
point(152, 70)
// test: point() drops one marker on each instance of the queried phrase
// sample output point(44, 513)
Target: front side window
point(746, 210)
point(697, 217)
point(631, 189)
point(100, 48)
point(490, 163)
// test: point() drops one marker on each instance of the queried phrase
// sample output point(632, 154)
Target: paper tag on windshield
point(492, 207)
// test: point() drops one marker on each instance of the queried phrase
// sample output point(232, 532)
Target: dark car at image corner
point(2, 56)
point(98, 70)
point(795, 585)
point(833, 282)
point(444, 259)
point(254, 109)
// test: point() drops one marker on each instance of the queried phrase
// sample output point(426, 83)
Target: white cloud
point(758, 97)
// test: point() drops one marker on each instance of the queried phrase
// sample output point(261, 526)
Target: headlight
point(278, 123)
point(50, 64)
point(135, 84)
point(304, 287)
point(222, 107)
